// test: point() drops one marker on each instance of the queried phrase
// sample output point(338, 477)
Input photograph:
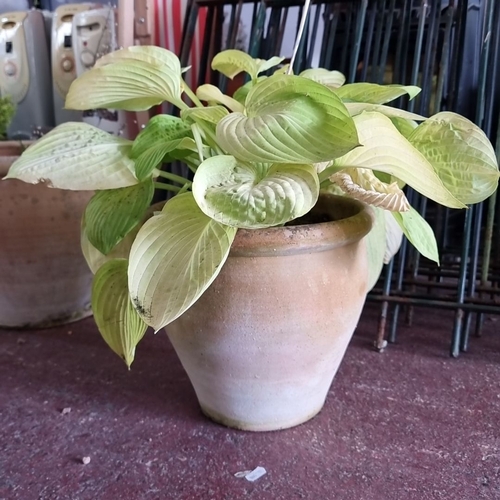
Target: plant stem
point(167, 187)
point(192, 95)
point(173, 177)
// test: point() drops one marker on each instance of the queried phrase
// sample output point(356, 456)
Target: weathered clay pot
point(44, 280)
point(263, 343)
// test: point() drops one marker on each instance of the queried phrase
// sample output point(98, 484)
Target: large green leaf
point(232, 62)
point(332, 79)
point(160, 129)
point(111, 214)
point(77, 156)
point(418, 232)
point(289, 119)
point(460, 153)
point(134, 79)
point(115, 316)
point(174, 259)
point(375, 94)
point(386, 150)
point(251, 195)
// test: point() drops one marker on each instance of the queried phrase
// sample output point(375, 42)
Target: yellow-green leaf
point(135, 79)
point(175, 257)
point(77, 156)
point(118, 322)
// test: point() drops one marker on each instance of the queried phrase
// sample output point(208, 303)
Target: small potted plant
point(256, 270)
point(44, 280)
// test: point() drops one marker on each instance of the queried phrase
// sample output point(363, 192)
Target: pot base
point(52, 322)
point(261, 426)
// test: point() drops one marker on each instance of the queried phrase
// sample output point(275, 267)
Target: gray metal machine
point(63, 58)
point(94, 35)
point(25, 72)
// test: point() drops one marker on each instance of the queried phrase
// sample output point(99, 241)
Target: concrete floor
point(409, 423)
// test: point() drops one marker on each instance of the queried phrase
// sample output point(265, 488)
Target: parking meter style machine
point(25, 72)
point(94, 35)
point(63, 59)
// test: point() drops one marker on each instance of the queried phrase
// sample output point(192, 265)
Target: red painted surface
point(409, 423)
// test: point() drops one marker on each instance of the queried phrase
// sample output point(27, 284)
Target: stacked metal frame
point(447, 47)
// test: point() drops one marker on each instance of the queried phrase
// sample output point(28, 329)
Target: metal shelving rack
point(450, 48)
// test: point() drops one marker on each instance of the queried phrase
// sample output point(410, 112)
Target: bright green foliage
point(259, 159)
point(7, 111)
point(111, 214)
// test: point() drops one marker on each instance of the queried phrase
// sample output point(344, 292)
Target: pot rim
point(308, 238)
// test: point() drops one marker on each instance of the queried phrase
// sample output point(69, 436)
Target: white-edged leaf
point(77, 156)
point(386, 150)
point(375, 247)
point(118, 322)
point(393, 237)
point(249, 195)
point(363, 185)
point(332, 79)
point(212, 94)
point(461, 155)
point(355, 108)
point(232, 62)
point(289, 119)
point(418, 232)
point(112, 213)
point(175, 257)
point(135, 79)
point(375, 94)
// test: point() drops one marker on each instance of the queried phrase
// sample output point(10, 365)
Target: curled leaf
point(232, 62)
point(249, 195)
point(331, 79)
point(363, 185)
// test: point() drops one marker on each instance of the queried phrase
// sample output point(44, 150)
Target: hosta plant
point(257, 159)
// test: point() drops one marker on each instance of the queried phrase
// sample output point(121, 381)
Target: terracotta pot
point(263, 343)
point(44, 280)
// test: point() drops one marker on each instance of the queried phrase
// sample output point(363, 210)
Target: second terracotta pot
point(44, 279)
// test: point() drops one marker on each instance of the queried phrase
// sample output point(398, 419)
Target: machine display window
point(67, 41)
point(8, 47)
